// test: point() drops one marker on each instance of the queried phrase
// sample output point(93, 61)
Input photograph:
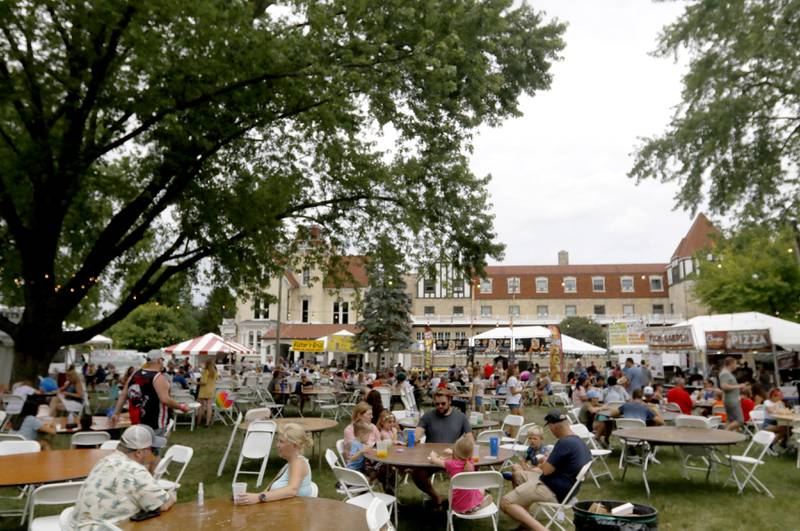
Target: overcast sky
point(559, 173)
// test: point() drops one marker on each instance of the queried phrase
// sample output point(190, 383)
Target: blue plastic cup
point(411, 436)
point(494, 446)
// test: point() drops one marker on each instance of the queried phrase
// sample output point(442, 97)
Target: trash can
point(644, 517)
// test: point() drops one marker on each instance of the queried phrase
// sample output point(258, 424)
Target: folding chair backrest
point(314, 490)
point(484, 479)
point(512, 421)
point(486, 435)
point(400, 414)
point(573, 491)
point(12, 403)
point(377, 515)
point(351, 478)
point(386, 396)
point(161, 467)
point(522, 434)
point(623, 423)
point(258, 439)
point(3, 416)
point(11, 437)
point(19, 447)
point(257, 413)
point(340, 450)
point(763, 438)
point(330, 457)
point(110, 445)
point(54, 494)
point(89, 438)
point(179, 454)
point(581, 431)
point(673, 407)
point(692, 421)
point(757, 417)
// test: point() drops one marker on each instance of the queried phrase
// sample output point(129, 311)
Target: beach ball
point(525, 376)
point(223, 400)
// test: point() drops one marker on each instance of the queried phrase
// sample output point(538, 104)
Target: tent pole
point(775, 366)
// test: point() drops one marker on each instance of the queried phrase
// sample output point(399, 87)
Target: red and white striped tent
point(208, 345)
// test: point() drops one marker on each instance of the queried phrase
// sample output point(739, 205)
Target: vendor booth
point(211, 345)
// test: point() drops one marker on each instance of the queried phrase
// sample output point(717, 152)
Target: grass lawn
point(682, 504)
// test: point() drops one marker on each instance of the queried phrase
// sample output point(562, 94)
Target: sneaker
point(507, 476)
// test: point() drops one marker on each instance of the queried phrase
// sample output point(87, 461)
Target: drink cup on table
point(239, 489)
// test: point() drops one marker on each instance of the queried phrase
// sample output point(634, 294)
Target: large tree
point(584, 329)
point(734, 141)
point(753, 269)
point(142, 139)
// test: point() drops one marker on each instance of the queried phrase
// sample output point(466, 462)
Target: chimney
point(563, 258)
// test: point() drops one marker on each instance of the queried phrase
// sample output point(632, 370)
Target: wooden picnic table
point(48, 467)
point(99, 423)
point(294, 514)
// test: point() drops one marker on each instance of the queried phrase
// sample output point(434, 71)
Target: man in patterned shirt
point(120, 485)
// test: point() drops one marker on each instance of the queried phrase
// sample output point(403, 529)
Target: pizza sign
point(739, 341)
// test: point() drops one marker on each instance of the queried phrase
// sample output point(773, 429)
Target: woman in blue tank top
point(294, 479)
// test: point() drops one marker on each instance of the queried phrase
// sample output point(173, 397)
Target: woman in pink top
point(455, 461)
point(361, 413)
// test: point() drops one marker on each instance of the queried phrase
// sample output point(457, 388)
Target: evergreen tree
point(386, 311)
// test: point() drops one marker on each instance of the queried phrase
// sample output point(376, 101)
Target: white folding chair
point(378, 517)
point(672, 407)
point(756, 421)
point(519, 447)
point(327, 402)
point(12, 404)
point(598, 454)
point(386, 396)
point(269, 402)
point(89, 438)
point(13, 447)
point(489, 480)
point(747, 464)
point(561, 399)
point(4, 415)
point(234, 431)
point(486, 435)
point(347, 477)
point(621, 424)
point(555, 511)
point(314, 490)
point(53, 494)
point(175, 454)
point(256, 445)
point(573, 414)
point(110, 445)
point(688, 453)
point(72, 406)
point(333, 461)
point(346, 406)
point(11, 437)
point(408, 400)
point(257, 413)
point(185, 397)
point(511, 421)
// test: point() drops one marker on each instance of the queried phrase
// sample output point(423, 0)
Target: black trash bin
point(644, 517)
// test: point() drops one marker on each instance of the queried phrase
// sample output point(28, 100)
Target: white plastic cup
point(239, 489)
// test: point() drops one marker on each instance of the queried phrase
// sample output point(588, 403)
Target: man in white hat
point(120, 484)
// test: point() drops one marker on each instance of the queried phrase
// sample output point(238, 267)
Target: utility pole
point(278, 321)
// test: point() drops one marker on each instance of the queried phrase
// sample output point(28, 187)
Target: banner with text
point(308, 345)
point(626, 334)
point(738, 341)
point(670, 338)
point(556, 355)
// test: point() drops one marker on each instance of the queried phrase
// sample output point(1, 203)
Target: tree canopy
point(585, 329)
point(753, 269)
point(140, 140)
point(734, 140)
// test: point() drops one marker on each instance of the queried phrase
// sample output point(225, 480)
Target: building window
point(599, 309)
point(658, 309)
point(570, 310)
point(458, 310)
point(305, 310)
point(306, 276)
point(459, 335)
point(541, 285)
point(513, 310)
point(626, 284)
point(486, 285)
point(656, 283)
point(251, 339)
point(441, 335)
point(260, 309)
point(672, 308)
point(486, 311)
point(458, 288)
point(570, 285)
point(419, 336)
point(429, 310)
point(341, 312)
point(541, 310)
point(627, 309)
point(513, 285)
point(598, 283)
point(428, 288)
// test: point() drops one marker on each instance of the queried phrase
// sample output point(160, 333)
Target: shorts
point(513, 406)
point(769, 422)
point(734, 412)
point(531, 491)
point(478, 401)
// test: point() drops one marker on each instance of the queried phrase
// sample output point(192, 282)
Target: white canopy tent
point(331, 355)
point(569, 344)
point(208, 345)
point(784, 334)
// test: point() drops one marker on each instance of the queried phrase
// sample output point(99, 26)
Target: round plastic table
point(48, 467)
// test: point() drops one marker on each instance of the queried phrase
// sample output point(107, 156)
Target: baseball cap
point(553, 416)
point(155, 355)
point(141, 436)
point(648, 391)
point(593, 394)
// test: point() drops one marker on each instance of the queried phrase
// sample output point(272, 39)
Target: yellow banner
point(341, 344)
point(308, 345)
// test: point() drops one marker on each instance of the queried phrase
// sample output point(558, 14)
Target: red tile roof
point(309, 331)
point(351, 272)
point(699, 237)
point(575, 269)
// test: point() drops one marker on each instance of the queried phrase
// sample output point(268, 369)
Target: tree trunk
point(30, 366)
point(36, 342)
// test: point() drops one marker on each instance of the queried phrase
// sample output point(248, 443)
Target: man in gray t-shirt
point(443, 425)
point(730, 389)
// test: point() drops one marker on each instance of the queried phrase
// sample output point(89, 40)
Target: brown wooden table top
point(708, 404)
point(298, 513)
point(417, 457)
point(48, 467)
point(311, 391)
point(787, 417)
point(670, 435)
point(310, 424)
point(99, 423)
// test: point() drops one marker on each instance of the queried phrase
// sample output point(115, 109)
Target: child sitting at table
point(458, 460)
point(718, 403)
point(387, 426)
point(29, 426)
point(535, 454)
point(359, 446)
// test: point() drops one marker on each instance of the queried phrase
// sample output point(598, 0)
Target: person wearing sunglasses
point(442, 425)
